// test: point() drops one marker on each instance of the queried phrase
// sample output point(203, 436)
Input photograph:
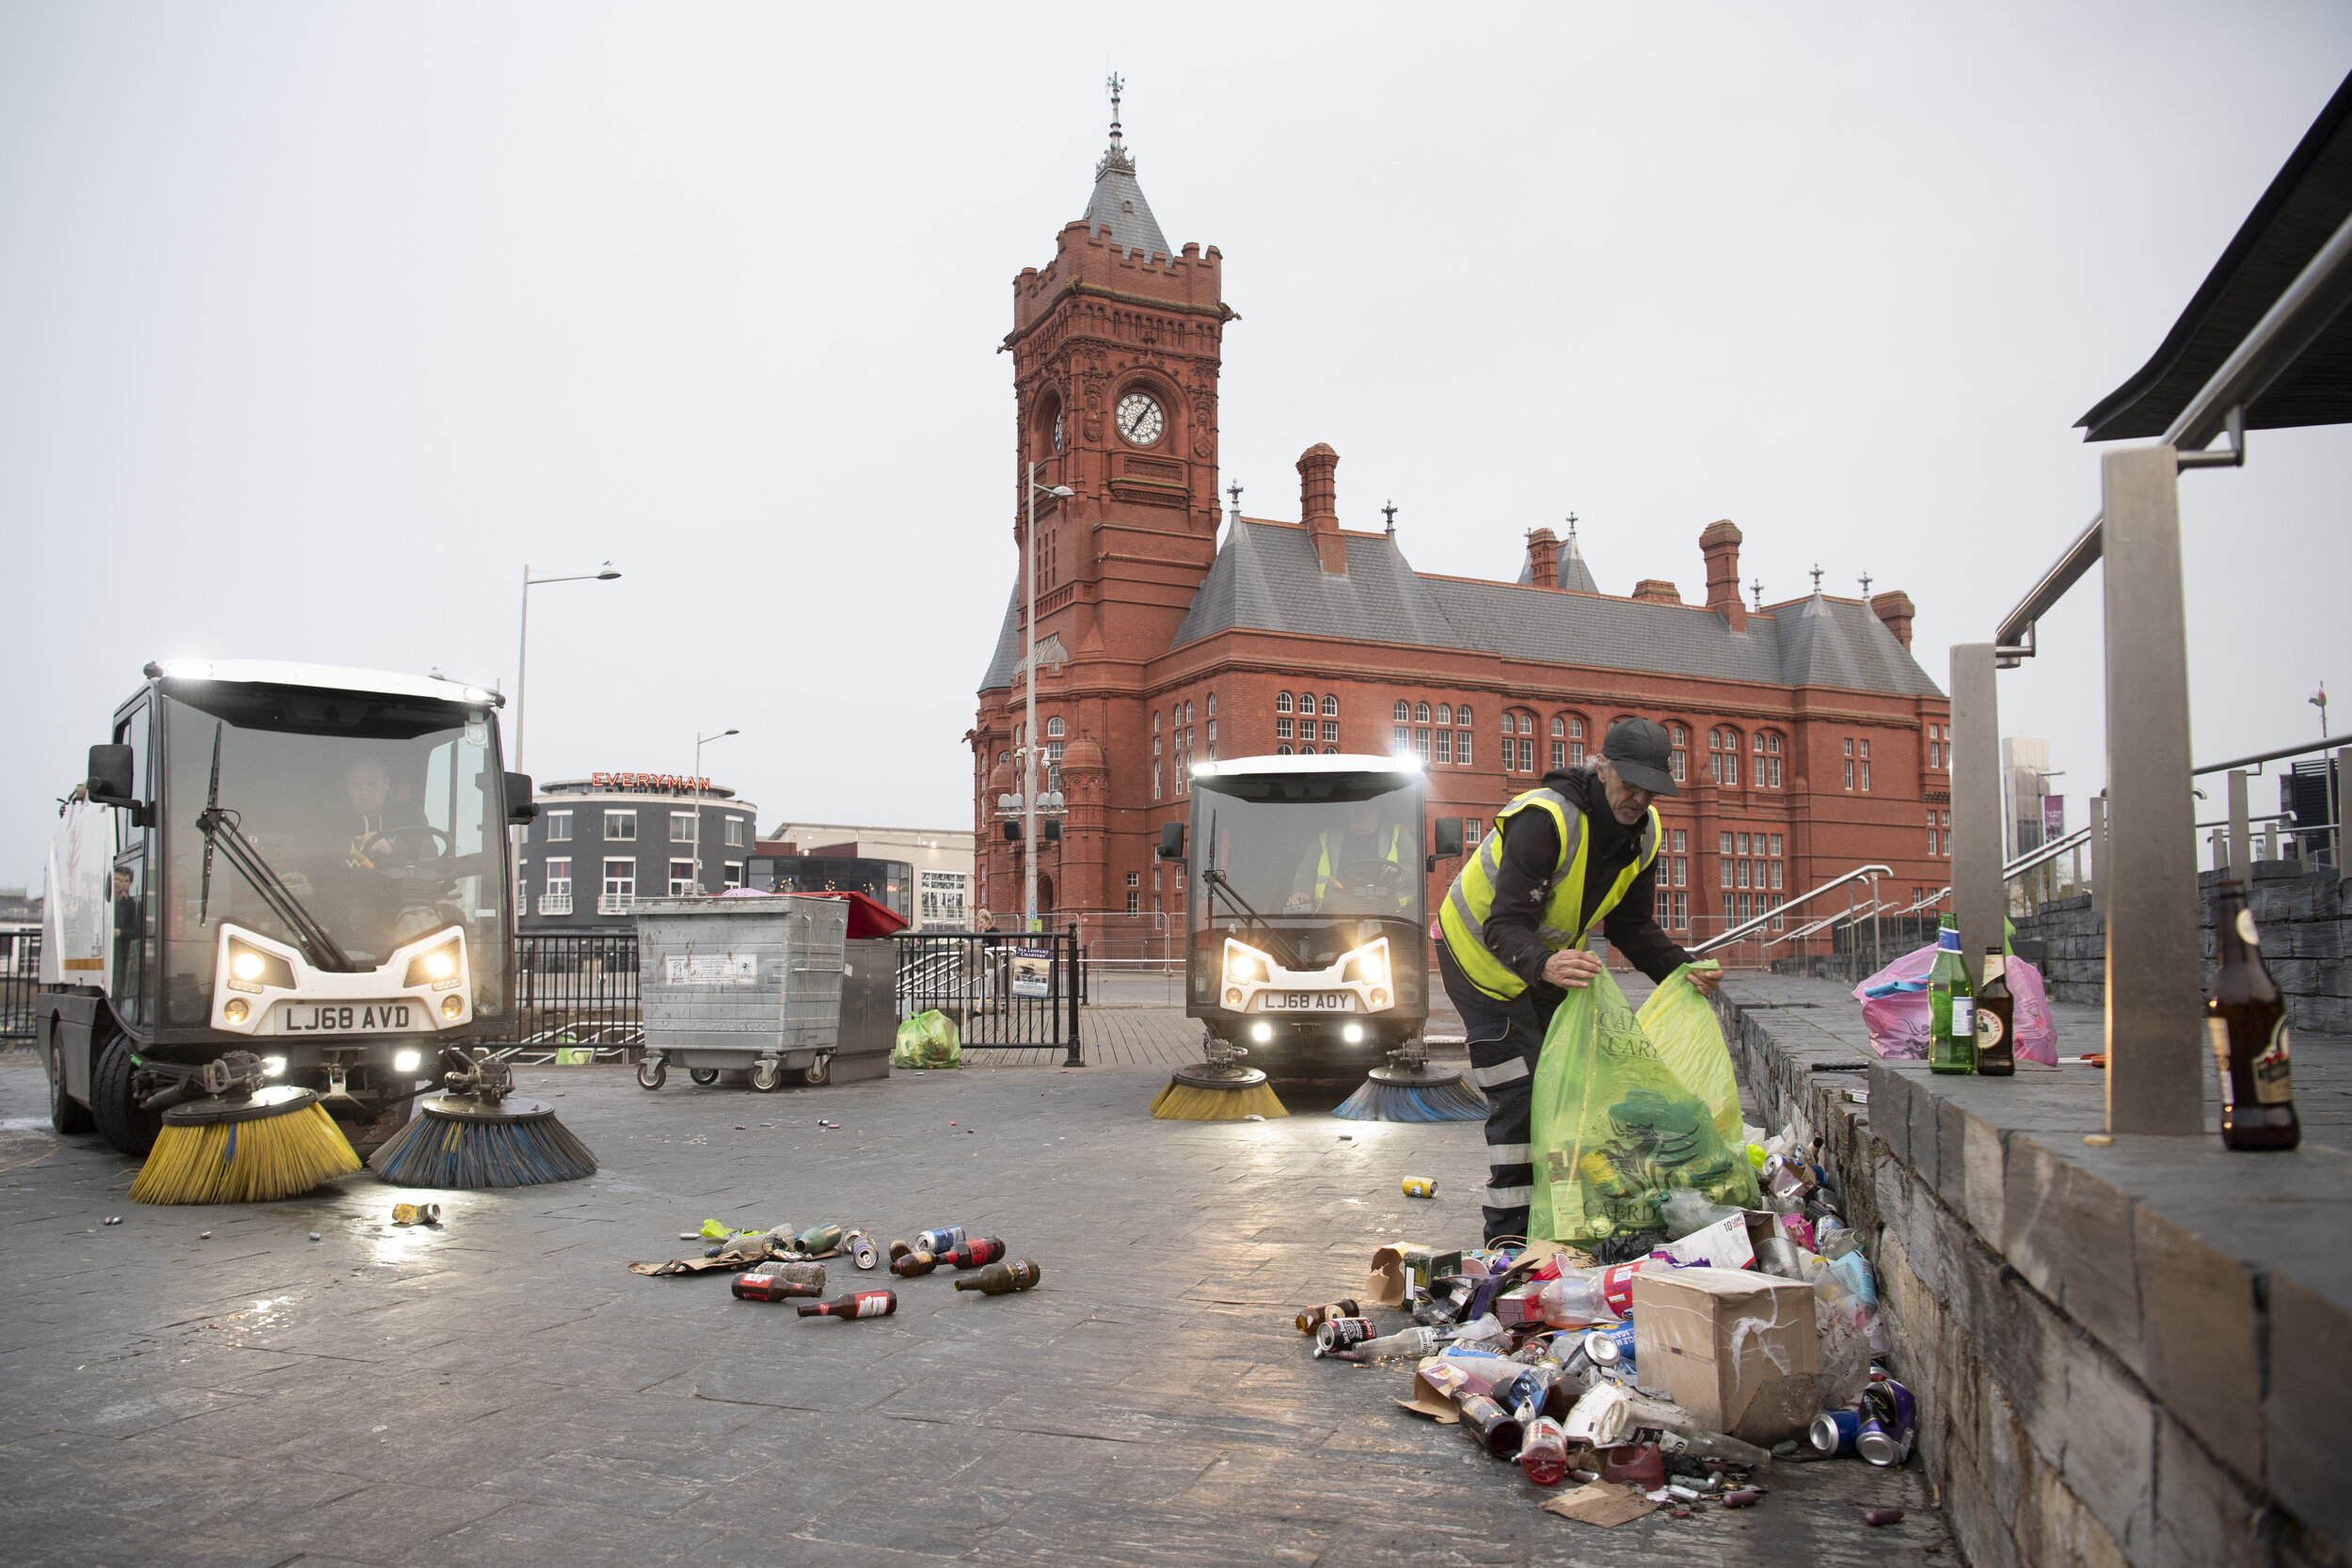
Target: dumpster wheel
point(651, 1071)
point(767, 1073)
point(819, 1071)
point(703, 1075)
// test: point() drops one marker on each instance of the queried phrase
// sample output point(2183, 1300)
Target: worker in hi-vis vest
point(1572, 854)
point(1360, 867)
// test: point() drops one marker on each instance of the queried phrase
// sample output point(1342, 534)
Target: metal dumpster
point(749, 983)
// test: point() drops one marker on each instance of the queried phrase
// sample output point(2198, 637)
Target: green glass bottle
point(1951, 1005)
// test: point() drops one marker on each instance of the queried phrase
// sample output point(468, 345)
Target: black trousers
point(1505, 1038)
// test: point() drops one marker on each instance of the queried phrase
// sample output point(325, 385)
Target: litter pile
point(1667, 1380)
point(782, 1264)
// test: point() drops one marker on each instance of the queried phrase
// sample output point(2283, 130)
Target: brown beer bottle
point(858, 1304)
point(2246, 1022)
point(908, 1265)
point(972, 1255)
point(1996, 1019)
point(998, 1279)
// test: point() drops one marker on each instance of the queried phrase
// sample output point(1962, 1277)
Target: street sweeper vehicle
point(1306, 944)
point(281, 888)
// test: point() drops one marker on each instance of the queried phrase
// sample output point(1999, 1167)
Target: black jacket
point(1531, 850)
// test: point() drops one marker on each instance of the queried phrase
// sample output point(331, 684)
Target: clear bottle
point(1951, 1005)
point(1996, 1019)
point(2246, 1022)
point(1575, 1300)
point(1414, 1342)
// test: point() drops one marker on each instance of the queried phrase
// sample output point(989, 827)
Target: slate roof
point(1006, 659)
point(1573, 572)
point(1116, 208)
point(1266, 578)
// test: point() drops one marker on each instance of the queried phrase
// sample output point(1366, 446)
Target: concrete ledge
point(2140, 1352)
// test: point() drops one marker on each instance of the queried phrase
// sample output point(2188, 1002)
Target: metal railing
point(1007, 990)
point(1736, 933)
point(615, 903)
point(555, 903)
point(20, 983)
point(576, 992)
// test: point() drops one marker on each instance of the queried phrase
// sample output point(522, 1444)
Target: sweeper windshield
point(347, 824)
point(1306, 868)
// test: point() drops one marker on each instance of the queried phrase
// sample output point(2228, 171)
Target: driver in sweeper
point(1573, 854)
point(1376, 855)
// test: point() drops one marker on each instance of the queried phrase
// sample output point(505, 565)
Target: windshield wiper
point(220, 828)
point(1218, 882)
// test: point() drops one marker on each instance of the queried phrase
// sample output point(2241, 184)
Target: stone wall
point(2306, 931)
point(2138, 1353)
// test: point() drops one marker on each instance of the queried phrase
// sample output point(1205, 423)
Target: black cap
point(1637, 749)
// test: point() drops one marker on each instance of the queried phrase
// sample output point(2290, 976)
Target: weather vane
point(1757, 588)
point(1865, 585)
point(1234, 490)
point(1389, 513)
point(1817, 577)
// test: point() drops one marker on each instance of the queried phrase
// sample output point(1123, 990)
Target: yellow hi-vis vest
point(1470, 898)
point(1392, 851)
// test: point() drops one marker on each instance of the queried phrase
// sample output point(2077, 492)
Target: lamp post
point(605, 573)
point(1028, 722)
point(700, 741)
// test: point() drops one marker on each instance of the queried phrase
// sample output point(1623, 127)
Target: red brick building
point(1809, 740)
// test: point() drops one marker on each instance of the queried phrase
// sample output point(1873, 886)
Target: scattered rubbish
point(829, 1126)
point(1602, 1503)
point(858, 1304)
point(416, 1213)
point(779, 1282)
point(112, 1219)
point(204, 1235)
point(314, 1235)
point(940, 1240)
point(1338, 1334)
point(1313, 1318)
point(1895, 1009)
point(1348, 1138)
point(861, 1248)
point(998, 1279)
point(929, 1040)
point(1253, 1117)
point(1744, 1496)
point(1544, 1452)
point(1884, 1517)
point(1421, 1186)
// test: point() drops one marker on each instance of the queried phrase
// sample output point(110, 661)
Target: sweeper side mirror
point(1171, 841)
point(521, 807)
point(1449, 841)
point(113, 777)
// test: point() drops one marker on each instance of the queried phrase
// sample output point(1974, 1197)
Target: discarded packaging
point(1313, 1318)
point(1421, 1186)
point(861, 1248)
point(1601, 1502)
point(998, 1279)
point(941, 1240)
point(1496, 1429)
point(416, 1213)
point(1888, 1423)
point(1336, 1334)
point(1544, 1451)
point(1834, 1431)
point(779, 1282)
point(1884, 1517)
point(1639, 1463)
point(1737, 1350)
point(859, 1304)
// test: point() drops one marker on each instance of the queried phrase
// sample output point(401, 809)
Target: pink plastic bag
point(1897, 1019)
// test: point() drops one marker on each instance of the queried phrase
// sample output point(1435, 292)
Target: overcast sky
point(317, 321)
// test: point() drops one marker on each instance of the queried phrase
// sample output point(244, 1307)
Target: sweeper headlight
point(254, 970)
point(1367, 965)
point(452, 1006)
point(272, 1066)
point(407, 1061)
point(444, 969)
point(1244, 966)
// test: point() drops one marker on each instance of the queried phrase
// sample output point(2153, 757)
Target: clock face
point(1140, 419)
point(1057, 429)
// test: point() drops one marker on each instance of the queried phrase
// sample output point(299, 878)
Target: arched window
point(1281, 702)
point(1212, 704)
point(1283, 750)
point(1677, 759)
point(1156, 720)
point(1054, 727)
point(1576, 741)
point(1445, 713)
point(1768, 759)
point(1331, 705)
point(1519, 756)
point(1527, 724)
point(1420, 713)
point(1305, 702)
point(1188, 713)
point(1462, 716)
point(1403, 713)
point(1559, 726)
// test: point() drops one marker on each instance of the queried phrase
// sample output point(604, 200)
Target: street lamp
point(700, 741)
point(605, 573)
point(1028, 725)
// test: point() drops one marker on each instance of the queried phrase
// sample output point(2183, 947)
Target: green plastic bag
point(928, 1041)
point(1614, 1130)
point(1682, 1024)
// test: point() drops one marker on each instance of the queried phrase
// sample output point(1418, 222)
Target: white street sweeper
point(277, 878)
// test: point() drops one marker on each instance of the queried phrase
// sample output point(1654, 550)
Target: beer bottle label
point(2217, 1036)
point(872, 1304)
point(2273, 1085)
point(1988, 1029)
point(2246, 928)
point(1963, 1017)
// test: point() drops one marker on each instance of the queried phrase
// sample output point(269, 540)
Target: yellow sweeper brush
point(275, 1142)
point(1217, 1089)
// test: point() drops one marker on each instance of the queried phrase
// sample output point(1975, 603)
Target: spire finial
point(1571, 525)
point(1817, 577)
point(1234, 490)
point(1388, 512)
point(1757, 588)
point(1116, 87)
point(1116, 157)
point(1866, 587)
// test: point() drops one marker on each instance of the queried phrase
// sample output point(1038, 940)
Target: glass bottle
point(1951, 1005)
point(973, 1255)
point(2246, 1022)
point(998, 1279)
point(858, 1304)
point(1996, 1019)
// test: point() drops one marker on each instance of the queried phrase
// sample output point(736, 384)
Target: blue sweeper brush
point(475, 1136)
point(1409, 1089)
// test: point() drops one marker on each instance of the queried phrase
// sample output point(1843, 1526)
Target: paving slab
point(502, 1390)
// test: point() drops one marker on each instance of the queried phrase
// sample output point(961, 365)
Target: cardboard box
point(1404, 1263)
point(1738, 1350)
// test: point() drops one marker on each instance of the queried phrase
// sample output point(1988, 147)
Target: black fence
point(20, 978)
point(1007, 990)
point(576, 992)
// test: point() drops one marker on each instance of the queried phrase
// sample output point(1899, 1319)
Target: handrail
point(1876, 908)
point(1736, 932)
point(2330, 743)
point(1801, 933)
point(2300, 313)
point(2048, 852)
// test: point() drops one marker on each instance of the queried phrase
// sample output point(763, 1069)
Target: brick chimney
point(1656, 590)
point(1543, 558)
point(1720, 544)
point(1895, 609)
point(1319, 505)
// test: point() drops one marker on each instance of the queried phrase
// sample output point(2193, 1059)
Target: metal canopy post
point(1980, 893)
point(2241, 830)
point(2099, 851)
point(2154, 990)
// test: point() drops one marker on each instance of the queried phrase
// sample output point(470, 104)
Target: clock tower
point(1116, 345)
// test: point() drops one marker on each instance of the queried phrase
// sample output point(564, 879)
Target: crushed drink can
point(1421, 1186)
point(1834, 1431)
point(861, 1248)
point(944, 1240)
point(1610, 1346)
point(409, 1213)
point(1337, 1333)
point(1313, 1318)
point(1889, 1424)
point(779, 1282)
